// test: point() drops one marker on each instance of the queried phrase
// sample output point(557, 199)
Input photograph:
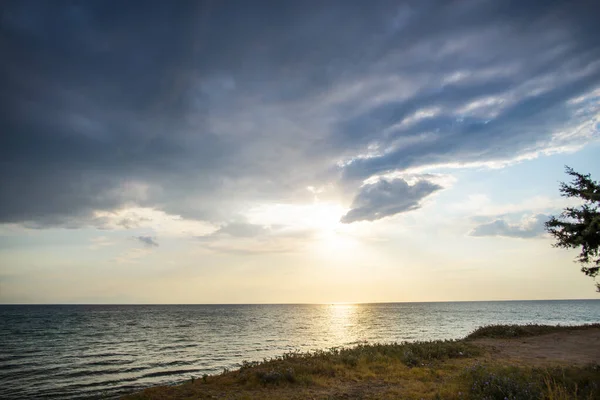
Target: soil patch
point(577, 347)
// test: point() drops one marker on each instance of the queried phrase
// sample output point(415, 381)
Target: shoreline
point(542, 360)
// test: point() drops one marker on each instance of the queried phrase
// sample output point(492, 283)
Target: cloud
point(241, 229)
point(483, 207)
point(147, 241)
point(100, 242)
point(529, 227)
point(244, 238)
point(109, 106)
point(385, 198)
point(132, 256)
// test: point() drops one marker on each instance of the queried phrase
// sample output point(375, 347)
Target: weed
point(512, 383)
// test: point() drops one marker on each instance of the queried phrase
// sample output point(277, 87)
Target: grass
point(450, 369)
point(364, 359)
point(509, 382)
point(517, 331)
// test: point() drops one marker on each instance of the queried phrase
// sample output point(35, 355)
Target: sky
point(292, 152)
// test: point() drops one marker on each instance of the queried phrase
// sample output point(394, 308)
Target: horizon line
point(291, 304)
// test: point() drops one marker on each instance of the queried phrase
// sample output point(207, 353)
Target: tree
point(580, 226)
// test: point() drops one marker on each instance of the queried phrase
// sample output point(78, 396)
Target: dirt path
point(571, 347)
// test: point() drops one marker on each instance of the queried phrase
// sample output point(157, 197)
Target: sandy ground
point(572, 348)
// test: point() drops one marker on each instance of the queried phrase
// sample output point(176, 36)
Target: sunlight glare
point(342, 322)
point(317, 216)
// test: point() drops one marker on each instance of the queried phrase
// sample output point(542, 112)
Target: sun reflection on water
point(342, 322)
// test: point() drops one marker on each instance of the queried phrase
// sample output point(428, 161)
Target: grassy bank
point(519, 331)
point(462, 369)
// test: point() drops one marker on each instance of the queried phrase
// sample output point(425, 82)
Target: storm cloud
point(198, 109)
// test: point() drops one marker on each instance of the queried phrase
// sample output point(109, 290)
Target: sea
point(104, 351)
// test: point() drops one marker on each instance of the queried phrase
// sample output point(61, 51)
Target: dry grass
point(423, 370)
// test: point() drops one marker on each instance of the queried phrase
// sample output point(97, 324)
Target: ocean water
point(91, 351)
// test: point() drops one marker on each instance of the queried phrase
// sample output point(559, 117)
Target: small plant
point(504, 384)
point(249, 364)
point(289, 375)
point(420, 353)
point(519, 383)
point(276, 377)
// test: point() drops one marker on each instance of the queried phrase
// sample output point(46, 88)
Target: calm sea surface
point(102, 351)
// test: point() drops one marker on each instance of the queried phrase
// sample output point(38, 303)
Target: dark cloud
point(529, 228)
point(385, 198)
point(147, 241)
point(209, 106)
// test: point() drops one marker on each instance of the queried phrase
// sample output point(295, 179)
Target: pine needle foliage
point(579, 227)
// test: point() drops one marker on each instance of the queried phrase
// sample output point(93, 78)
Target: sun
point(314, 216)
point(330, 237)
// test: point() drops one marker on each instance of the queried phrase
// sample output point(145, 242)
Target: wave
point(179, 346)
point(100, 372)
point(171, 372)
point(99, 355)
point(103, 363)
